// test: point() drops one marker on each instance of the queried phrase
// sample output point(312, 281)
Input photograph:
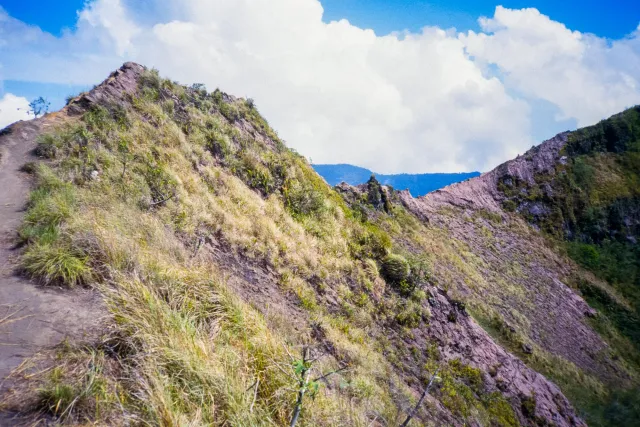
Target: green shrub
point(56, 399)
point(161, 184)
point(229, 111)
point(528, 406)
point(395, 270)
point(409, 315)
point(500, 410)
point(626, 321)
point(218, 146)
point(584, 254)
point(48, 146)
point(303, 199)
point(509, 205)
point(97, 118)
point(623, 408)
point(472, 377)
point(370, 241)
point(150, 84)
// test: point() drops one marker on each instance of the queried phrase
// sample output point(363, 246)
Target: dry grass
point(190, 349)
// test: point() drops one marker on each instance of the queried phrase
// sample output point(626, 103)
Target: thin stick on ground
point(414, 411)
point(255, 395)
point(330, 373)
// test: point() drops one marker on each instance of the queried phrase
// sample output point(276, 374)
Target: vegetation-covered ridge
point(242, 289)
point(592, 202)
point(554, 231)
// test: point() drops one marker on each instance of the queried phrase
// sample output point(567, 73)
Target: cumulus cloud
point(587, 77)
point(408, 102)
point(12, 109)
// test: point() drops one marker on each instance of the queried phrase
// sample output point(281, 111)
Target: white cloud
point(587, 77)
point(409, 102)
point(12, 109)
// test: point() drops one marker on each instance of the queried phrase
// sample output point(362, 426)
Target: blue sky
point(464, 85)
point(612, 19)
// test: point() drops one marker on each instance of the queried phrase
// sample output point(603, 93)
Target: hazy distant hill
point(418, 184)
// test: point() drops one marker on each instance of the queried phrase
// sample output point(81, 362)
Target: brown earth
point(32, 318)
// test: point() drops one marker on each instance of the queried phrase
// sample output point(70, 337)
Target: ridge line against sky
point(428, 100)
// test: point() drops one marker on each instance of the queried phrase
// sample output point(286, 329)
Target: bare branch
point(331, 373)
point(424, 395)
point(255, 395)
point(166, 199)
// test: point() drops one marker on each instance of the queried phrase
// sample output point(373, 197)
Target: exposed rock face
point(482, 192)
point(465, 340)
point(526, 281)
point(458, 336)
point(120, 83)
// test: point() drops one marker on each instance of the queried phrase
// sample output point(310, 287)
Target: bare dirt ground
point(32, 317)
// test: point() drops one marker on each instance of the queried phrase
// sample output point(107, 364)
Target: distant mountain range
point(418, 184)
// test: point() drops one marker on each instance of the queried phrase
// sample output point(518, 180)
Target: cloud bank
point(12, 109)
point(437, 100)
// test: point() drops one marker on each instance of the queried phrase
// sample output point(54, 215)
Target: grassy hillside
point(227, 265)
point(236, 278)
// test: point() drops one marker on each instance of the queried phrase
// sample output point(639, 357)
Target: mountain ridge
point(224, 259)
point(542, 190)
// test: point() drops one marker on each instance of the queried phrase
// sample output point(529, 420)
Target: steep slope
point(236, 278)
point(417, 184)
point(575, 196)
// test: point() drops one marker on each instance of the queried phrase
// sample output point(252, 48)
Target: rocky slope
point(519, 220)
point(227, 264)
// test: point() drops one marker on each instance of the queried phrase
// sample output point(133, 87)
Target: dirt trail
point(31, 317)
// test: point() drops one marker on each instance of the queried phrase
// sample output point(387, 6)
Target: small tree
point(306, 385)
point(38, 107)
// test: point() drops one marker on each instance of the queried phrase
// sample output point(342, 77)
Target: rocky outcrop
point(482, 192)
point(527, 281)
point(459, 337)
point(119, 84)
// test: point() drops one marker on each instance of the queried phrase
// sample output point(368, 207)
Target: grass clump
point(83, 385)
point(396, 270)
point(50, 256)
point(56, 264)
